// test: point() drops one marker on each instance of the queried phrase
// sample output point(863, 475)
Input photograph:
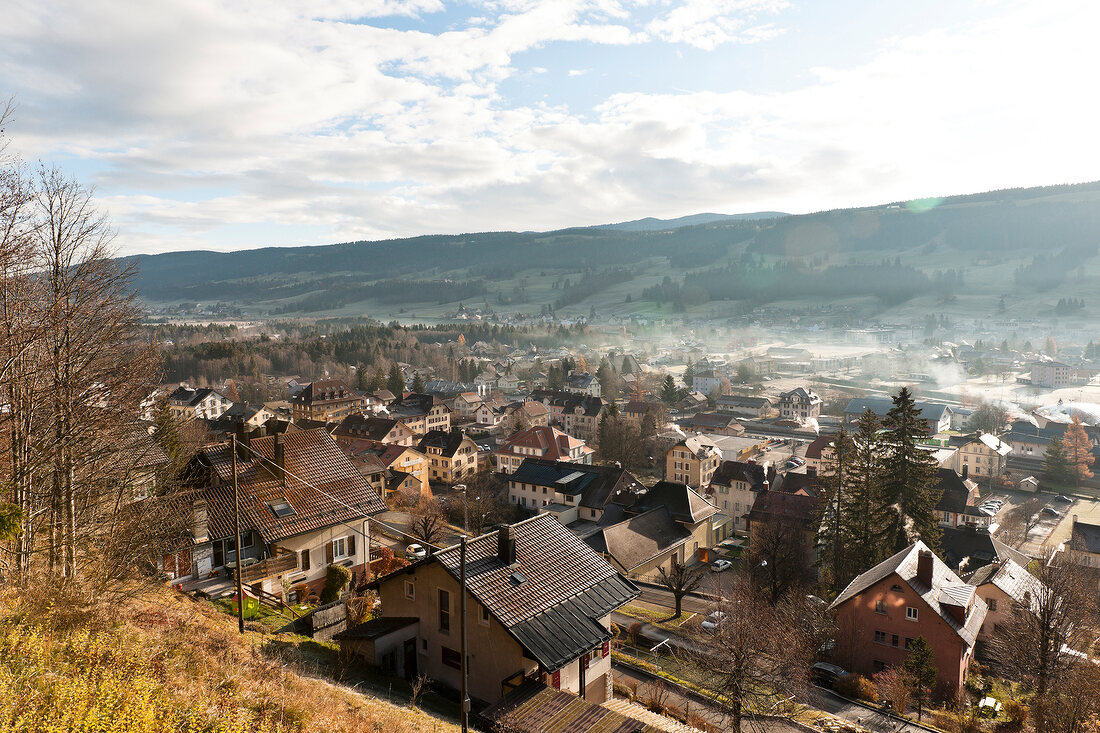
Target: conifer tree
point(920, 670)
point(869, 515)
point(834, 513)
point(1078, 447)
point(418, 383)
point(1055, 466)
point(689, 374)
point(395, 382)
point(909, 475)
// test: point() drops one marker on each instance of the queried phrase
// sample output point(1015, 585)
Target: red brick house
point(909, 595)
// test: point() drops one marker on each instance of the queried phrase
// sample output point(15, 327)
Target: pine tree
point(1055, 466)
point(377, 380)
point(870, 518)
point(1078, 448)
point(834, 516)
point(669, 394)
point(689, 374)
point(395, 382)
point(909, 474)
point(920, 670)
point(418, 383)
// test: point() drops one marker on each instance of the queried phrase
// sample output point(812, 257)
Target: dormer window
point(281, 508)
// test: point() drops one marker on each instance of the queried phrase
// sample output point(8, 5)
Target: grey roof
point(557, 581)
point(376, 627)
point(684, 504)
point(754, 474)
point(904, 566)
point(596, 484)
point(1085, 537)
point(961, 543)
point(955, 492)
point(881, 405)
point(639, 539)
point(1012, 578)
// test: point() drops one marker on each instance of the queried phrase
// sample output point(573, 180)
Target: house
point(326, 400)
point(394, 459)
point(707, 381)
point(539, 604)
point(144, 459)
point(452, 455)
point(1084, 542)
point(239, 414)
point(799, 404)
point(421, 413)
point(958, 499)
point(203, 403)
point(386, 430)
point(541, 442)
point(937, 416)
point(744, 406)
point(523, 415)
point(791, 515)
point(712, 422)
point(526, 708)
point(570, 491)
point(635, 411)
point(969, 548)
point(982, 455)
point(692, 461)
point(466, 404)
point(734, 487)
point(303, 507)
point(665, 523)
point(909, 595)
point(507, 383)
point(364, 456)
point(582, 383)
point(820, 453)
point(1052, 374)
point(1005, 587)
point(578, 415)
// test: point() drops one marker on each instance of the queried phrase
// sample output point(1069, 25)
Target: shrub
point(858, 687)
point(336, 579)
point(1016, 711)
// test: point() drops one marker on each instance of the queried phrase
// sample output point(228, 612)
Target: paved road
point(820, 699)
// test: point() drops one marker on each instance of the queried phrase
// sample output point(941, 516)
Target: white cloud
point(217, 125)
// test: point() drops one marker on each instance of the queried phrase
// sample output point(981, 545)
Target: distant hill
point(1022, 241)
point(650, 224)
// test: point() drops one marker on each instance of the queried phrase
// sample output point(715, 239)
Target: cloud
point(229, 124)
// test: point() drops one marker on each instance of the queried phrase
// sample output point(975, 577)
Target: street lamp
point(465, 508)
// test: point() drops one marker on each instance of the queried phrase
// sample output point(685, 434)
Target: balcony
point(282, 562)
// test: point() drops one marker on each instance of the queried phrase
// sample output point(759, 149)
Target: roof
point(448, 442)
point(595, 484)
point(976, 546)
point(553, 443)
point(639, 539)
point(801, 393)
point(956, 493)
point(712, 420)
point(770, 505)
point(881, 405)
point(743, 401)
point(700, 445)
point(361, 426)
point(535, 708)
point(995, 444)
point(569, 401)
point(945, 589)
point(552, 598)
point(191, 397)
point(376, 627)
point(324, 390)
point(311, 457)
point(754, 474)
point(683, 503)
point(814, 449)
point(1085, 537)
point(1012, 578)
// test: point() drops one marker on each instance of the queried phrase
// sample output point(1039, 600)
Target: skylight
point(281, 508)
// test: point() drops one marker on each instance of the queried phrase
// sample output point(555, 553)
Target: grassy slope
point(164, 663)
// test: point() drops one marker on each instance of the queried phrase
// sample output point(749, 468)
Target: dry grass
point(158, 662)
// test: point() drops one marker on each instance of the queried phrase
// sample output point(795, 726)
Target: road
point(820, 699)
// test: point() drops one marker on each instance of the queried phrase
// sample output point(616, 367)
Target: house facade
point(540, 442)
point(1005, 587)
point(744, 406)
point(799, 404)
point(325, 400)
point(539, 605)
point(734, 487)
point(203, 403)
point(422, 413)
point(912, 594)
point(692, 461)
point(451, 455)
point(569, 491)
point(982, 456)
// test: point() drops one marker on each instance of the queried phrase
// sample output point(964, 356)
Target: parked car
point(710, 623)
point(720, 566)
point(824, 674)
point(1050, 511)
point(416, 552)
point(1064, 499)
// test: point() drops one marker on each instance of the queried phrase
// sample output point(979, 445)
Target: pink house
point(911, 594)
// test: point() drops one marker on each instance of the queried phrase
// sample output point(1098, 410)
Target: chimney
point(966, 470)
point(200, 531)
point(279, 459)
point(506, 545)
point(924, 567)
point(243, 441)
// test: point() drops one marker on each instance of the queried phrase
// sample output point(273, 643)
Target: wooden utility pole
point(462, 621)
point(237, 523)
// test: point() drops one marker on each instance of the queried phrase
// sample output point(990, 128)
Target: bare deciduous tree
point(427, 522)
point(681, 579)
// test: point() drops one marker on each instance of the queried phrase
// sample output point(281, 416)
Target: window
point(483, 616)
point(303, 562)
point(880, 637)
point(896, 588)
point(992, 603)
point(908, 642)
point(281, 508)
point(894, 640)
point(880, 607)
point(451, 658)
point(340, 548)
point(410, 590)
point(444, 610)
point(910, 613)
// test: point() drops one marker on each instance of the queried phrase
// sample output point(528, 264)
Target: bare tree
point(681, 579)
point(759, 654)
point(427, 521)
point(1019, 521)
point(1053, 621)
point(777, 557)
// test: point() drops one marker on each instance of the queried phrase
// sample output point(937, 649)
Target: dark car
point(824, 674)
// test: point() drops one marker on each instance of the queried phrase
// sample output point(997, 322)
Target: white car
point(710, 623)
point(416, 552)
point(720, 566)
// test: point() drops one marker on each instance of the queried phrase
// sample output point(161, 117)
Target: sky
point(225, 125)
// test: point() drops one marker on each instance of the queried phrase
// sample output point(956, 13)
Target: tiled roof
point(1012, 578)
point(771, 505)
point(448, 442)
point(813, 450)
point(314, 459)
point(361, 426)
point(536, 708)
point(904, 565)
point(639, 539)
point(751, 473)
point(323, 390)
point(556, 579)
point(684, 504)
point(977, 546)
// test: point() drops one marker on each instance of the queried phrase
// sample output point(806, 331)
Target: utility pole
point(237, 524)
point(462, 621)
